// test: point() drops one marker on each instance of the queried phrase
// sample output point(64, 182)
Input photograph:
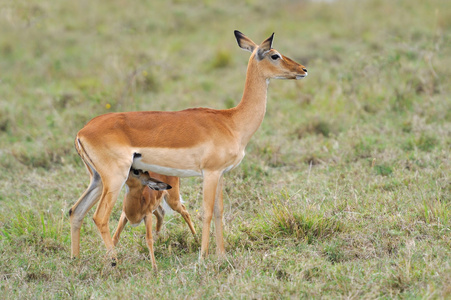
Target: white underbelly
point(138, 164)
point(180, 162)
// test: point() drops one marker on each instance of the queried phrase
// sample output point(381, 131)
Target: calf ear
point(164, 186)
point(244, 42)
point(157, 185)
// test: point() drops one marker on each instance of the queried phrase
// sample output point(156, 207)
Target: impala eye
point(275, 56)
point(136, 172)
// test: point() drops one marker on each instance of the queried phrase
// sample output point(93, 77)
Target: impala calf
point(193, 142)
point(141, 201)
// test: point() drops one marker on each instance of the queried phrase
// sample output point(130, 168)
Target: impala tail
point(84, 156)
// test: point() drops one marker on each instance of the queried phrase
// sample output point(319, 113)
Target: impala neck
point(252, 107)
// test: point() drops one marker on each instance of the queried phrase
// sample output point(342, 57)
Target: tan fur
point(197, 141)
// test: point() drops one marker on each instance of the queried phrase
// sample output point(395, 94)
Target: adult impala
point(193, 142)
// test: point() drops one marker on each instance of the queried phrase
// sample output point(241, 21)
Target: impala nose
point(304, 69)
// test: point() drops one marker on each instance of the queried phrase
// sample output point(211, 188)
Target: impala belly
point(186, 162)
point(137, 164)
point(171, 162)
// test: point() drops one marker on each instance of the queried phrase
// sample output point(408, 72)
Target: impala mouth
point(301, 76)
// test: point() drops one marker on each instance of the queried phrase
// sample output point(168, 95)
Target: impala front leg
point(210, 185)
point(219, 210)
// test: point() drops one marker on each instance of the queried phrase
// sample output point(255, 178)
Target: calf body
point(141, 201)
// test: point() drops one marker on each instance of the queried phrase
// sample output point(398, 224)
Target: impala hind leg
point(101, 217)
point(81, 207)
point(210, 185)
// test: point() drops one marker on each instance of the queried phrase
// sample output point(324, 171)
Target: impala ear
point(265, 46)
point(244, 42)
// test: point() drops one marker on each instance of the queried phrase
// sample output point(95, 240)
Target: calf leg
point(149, 239)
point(173, 199)
point(159, 213)
point(120, 226)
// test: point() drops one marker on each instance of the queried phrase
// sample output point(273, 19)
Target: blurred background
point(345, 189)
point(63, 63)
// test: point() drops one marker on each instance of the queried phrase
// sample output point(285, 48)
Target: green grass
point(345, 190)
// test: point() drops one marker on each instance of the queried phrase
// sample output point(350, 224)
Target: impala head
point(138, 177)
point(271, 63)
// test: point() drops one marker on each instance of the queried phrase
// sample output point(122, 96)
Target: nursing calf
point(143, 198)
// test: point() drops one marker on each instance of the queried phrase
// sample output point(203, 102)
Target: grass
point(344, 191)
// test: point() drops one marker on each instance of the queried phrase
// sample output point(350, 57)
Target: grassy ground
point(345, 191)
